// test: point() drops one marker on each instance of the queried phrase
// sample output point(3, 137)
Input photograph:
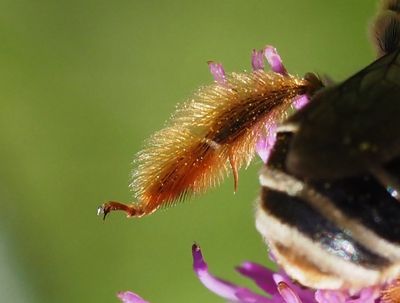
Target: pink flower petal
point(223, 288)
point(274, 60)
point(220, 287)
point(330, 296)
point(300, 102)
point(262, 150)
point(261, 275)
point(265, 144)
point(217, 71)
point(305, 294)
point(247, 296)
point(257, 59)
point(367, 295)
point(287, 293)
point(130, 297)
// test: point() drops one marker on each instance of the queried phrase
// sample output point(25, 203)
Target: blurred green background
point(82, 84)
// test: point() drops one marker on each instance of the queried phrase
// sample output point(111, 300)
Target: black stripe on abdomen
point(367, 201)
point(297, 213)
point(361, 198)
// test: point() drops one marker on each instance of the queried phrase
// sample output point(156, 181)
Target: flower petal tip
point(257, 60)
point(274, 60)
point(261, 150)
point(300, 102)
point(265, 144)
point(130, 297)
point(217, 71)
point(198, 260)
point(287, 293)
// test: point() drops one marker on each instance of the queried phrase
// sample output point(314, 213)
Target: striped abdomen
point(329, 234)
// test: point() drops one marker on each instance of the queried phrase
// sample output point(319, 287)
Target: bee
point(329, 206)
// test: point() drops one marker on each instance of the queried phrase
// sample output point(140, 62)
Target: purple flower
point(277, 287)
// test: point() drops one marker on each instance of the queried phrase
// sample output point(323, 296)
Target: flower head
point(277, 287)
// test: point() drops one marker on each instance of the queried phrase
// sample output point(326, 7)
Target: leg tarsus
point(132, 210)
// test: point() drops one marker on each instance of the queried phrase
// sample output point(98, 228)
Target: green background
point(82, 84)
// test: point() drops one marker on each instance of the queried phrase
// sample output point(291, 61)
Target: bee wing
point(347, 126)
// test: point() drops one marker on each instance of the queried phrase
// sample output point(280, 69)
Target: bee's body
point(332, 234)
point(329, 206)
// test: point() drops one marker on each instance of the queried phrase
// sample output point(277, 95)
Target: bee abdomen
point(341, 234)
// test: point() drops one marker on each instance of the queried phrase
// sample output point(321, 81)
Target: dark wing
point(347, 126)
